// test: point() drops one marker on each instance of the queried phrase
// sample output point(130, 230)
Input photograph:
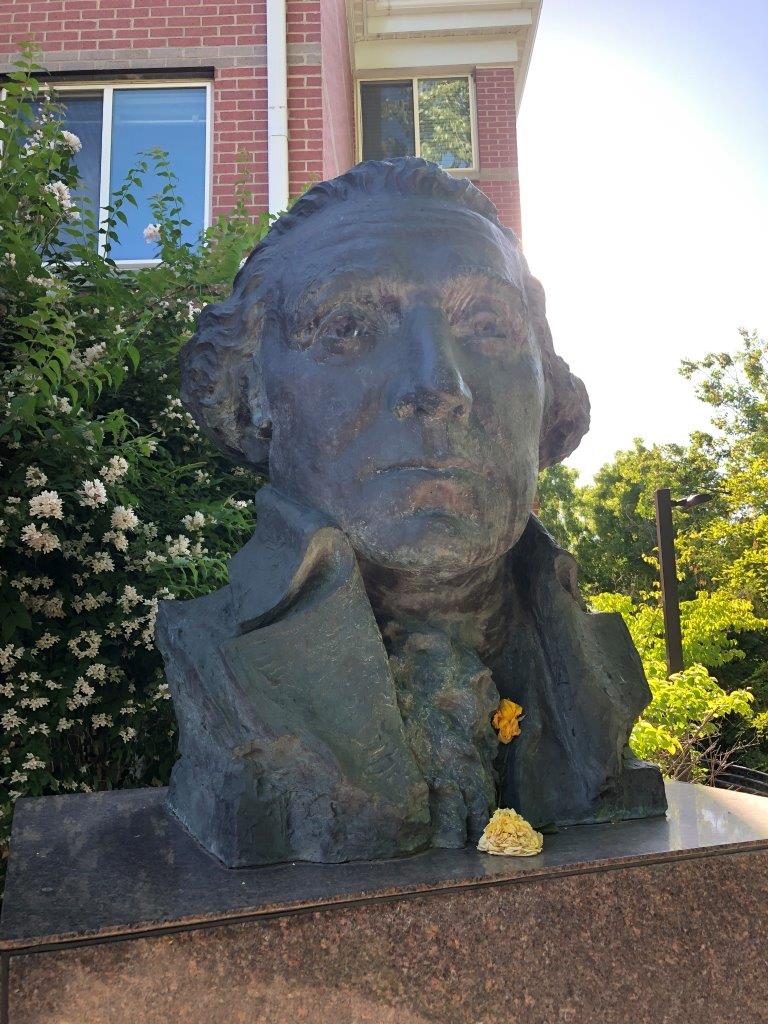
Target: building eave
point(399, 34)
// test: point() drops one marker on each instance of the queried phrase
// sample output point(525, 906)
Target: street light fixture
point(670, 601)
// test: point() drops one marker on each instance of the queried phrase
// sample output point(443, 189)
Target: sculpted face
point(404, 383)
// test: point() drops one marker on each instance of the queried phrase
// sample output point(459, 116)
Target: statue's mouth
point(441, 467)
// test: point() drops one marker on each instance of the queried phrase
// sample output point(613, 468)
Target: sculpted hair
point(220, 367)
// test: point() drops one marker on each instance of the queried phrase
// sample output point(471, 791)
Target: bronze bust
point(385, 355)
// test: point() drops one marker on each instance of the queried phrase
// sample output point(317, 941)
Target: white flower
point(92, 494)
point(130, 598)
point(94, 353)
point(64, 723)
point(61, 404)
point(45, 641)
point(178, 548)
point(152, 233)
point(102, 562)
point(35, 477)
point(97, 671)
point(193, 522)
point(10, 720)
point(64, 198)
point(19, 777)
point(9, 258)
point(90, 602)
point(127, 734)
point(116, 468)
point(31, 762)
point(86, 644)
point(71, 141)
point(40, 540)
point(116, 537)
point(54, 608)
point(46, 505)
point(124, 518)
point(101, 721)
point(9, 655)
point(61, 191)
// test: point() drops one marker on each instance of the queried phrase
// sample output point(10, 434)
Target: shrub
point(681, 729)
point(109, 496)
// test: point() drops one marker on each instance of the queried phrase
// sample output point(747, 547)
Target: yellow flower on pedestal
point(506, 720)
point(508, 834)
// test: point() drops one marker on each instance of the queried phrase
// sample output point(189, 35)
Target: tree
point(731, 549)
point(610, 526)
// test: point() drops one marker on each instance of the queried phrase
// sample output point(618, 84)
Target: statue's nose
point(431, 384)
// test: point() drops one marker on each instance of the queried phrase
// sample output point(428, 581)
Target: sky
point(643, 138)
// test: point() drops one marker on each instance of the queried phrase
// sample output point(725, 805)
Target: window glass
point(173, 120)
point(83, 118)
point(445, 124)
point(387, 119)
point(82, 115)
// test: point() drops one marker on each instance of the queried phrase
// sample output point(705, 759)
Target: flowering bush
point(110, 499)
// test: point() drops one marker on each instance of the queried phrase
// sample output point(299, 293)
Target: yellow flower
point(506, 720)
point(507, 834)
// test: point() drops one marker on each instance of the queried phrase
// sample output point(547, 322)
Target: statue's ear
point(221, 381)
point(566, 403)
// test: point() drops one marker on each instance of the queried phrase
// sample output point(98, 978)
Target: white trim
point(208, 186)
point(107, 88)
point(434, 52)
point(278, 183)
point(416, 125)
point(451, 21)
point(462, 172)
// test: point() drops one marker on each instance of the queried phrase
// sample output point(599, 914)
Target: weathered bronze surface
point(385, 355)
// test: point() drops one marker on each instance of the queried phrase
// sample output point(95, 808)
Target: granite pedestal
point(113, 914)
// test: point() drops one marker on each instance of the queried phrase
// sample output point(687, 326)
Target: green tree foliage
point(731, 549)
point(110, 498)
point(722, 552)
point(610, 524)
point(681, 728)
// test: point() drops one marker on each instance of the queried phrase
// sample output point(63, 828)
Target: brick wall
point(497, 142)
point(113, 36)
point(230, 37)
point(305, 101)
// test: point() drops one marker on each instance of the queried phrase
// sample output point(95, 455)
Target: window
point(427, 117)
point(116, 123)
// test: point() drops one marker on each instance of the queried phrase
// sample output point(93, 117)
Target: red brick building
point(282, 92)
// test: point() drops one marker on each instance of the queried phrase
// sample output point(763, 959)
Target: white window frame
point(107, 89)
point(462, 172)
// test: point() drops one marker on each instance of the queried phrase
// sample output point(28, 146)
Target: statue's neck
point(471, 606)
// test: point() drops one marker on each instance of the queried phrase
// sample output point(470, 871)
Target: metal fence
point(746, 780)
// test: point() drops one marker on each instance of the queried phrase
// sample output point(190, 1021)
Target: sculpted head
point(385, 354)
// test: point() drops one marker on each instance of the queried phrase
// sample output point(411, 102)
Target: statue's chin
point(436, 545)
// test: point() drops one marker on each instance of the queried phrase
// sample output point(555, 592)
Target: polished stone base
point(113, 914)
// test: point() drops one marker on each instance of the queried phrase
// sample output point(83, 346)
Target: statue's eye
point(487, 330)
point(344, 332)
point(487, 325)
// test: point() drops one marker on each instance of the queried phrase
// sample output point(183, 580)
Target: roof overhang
point(400, 35)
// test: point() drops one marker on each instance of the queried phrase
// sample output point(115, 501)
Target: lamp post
point(670, 601)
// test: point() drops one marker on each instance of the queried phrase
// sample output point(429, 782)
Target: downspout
point(277, 106)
